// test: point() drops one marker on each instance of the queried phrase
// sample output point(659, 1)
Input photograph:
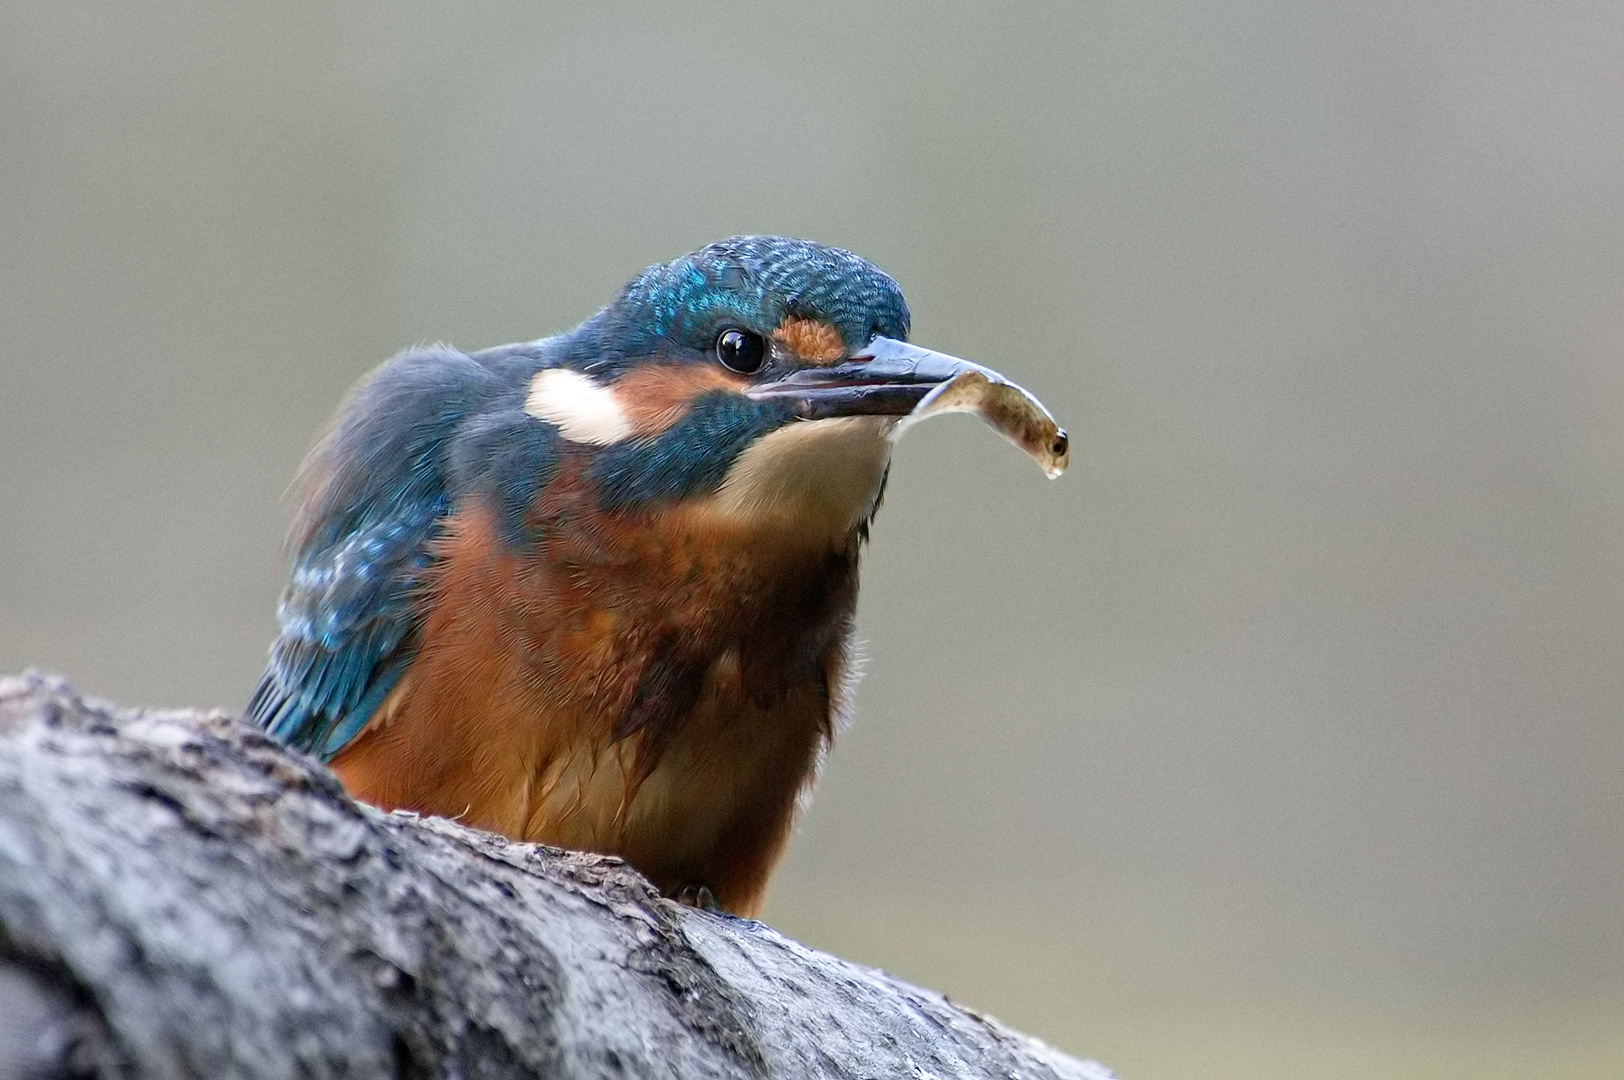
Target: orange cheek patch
point(813, 340)
point(656, 396)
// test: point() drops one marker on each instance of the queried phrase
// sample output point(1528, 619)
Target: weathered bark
point(180, 896)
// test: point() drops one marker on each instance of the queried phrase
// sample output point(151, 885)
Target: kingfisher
point(598, 590)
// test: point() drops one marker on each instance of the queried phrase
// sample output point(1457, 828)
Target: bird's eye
point(741, 351)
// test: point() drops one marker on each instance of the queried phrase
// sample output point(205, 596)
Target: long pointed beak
point(893, 378)
point(887, 378)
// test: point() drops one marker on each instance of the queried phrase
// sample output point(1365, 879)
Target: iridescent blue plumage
point(376, 490)
point(688, 458)
point(753, 282)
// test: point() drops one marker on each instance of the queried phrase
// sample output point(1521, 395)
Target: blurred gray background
point(1281, 738)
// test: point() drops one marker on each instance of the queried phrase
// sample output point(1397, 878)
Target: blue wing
point(375, 493)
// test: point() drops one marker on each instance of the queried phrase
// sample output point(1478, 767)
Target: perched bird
point(597, 590)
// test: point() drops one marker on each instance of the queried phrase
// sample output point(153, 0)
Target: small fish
point(1008, 409)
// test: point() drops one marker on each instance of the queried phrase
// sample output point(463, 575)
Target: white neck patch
point(820, 477)
point(584, 410)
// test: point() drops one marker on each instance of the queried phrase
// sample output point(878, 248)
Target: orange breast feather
point(645, 685)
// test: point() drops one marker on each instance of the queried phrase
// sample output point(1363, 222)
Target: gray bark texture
point(182, 897)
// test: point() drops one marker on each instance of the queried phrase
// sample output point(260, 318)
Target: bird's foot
point(697, 896)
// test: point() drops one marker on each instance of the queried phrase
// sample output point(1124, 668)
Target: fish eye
point(741, 351)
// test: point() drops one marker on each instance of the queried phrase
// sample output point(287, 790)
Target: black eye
point(741, 351)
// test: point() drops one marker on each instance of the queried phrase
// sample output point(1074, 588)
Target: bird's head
point(761, 376)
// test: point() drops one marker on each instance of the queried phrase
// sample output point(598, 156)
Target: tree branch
point(181, 896)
